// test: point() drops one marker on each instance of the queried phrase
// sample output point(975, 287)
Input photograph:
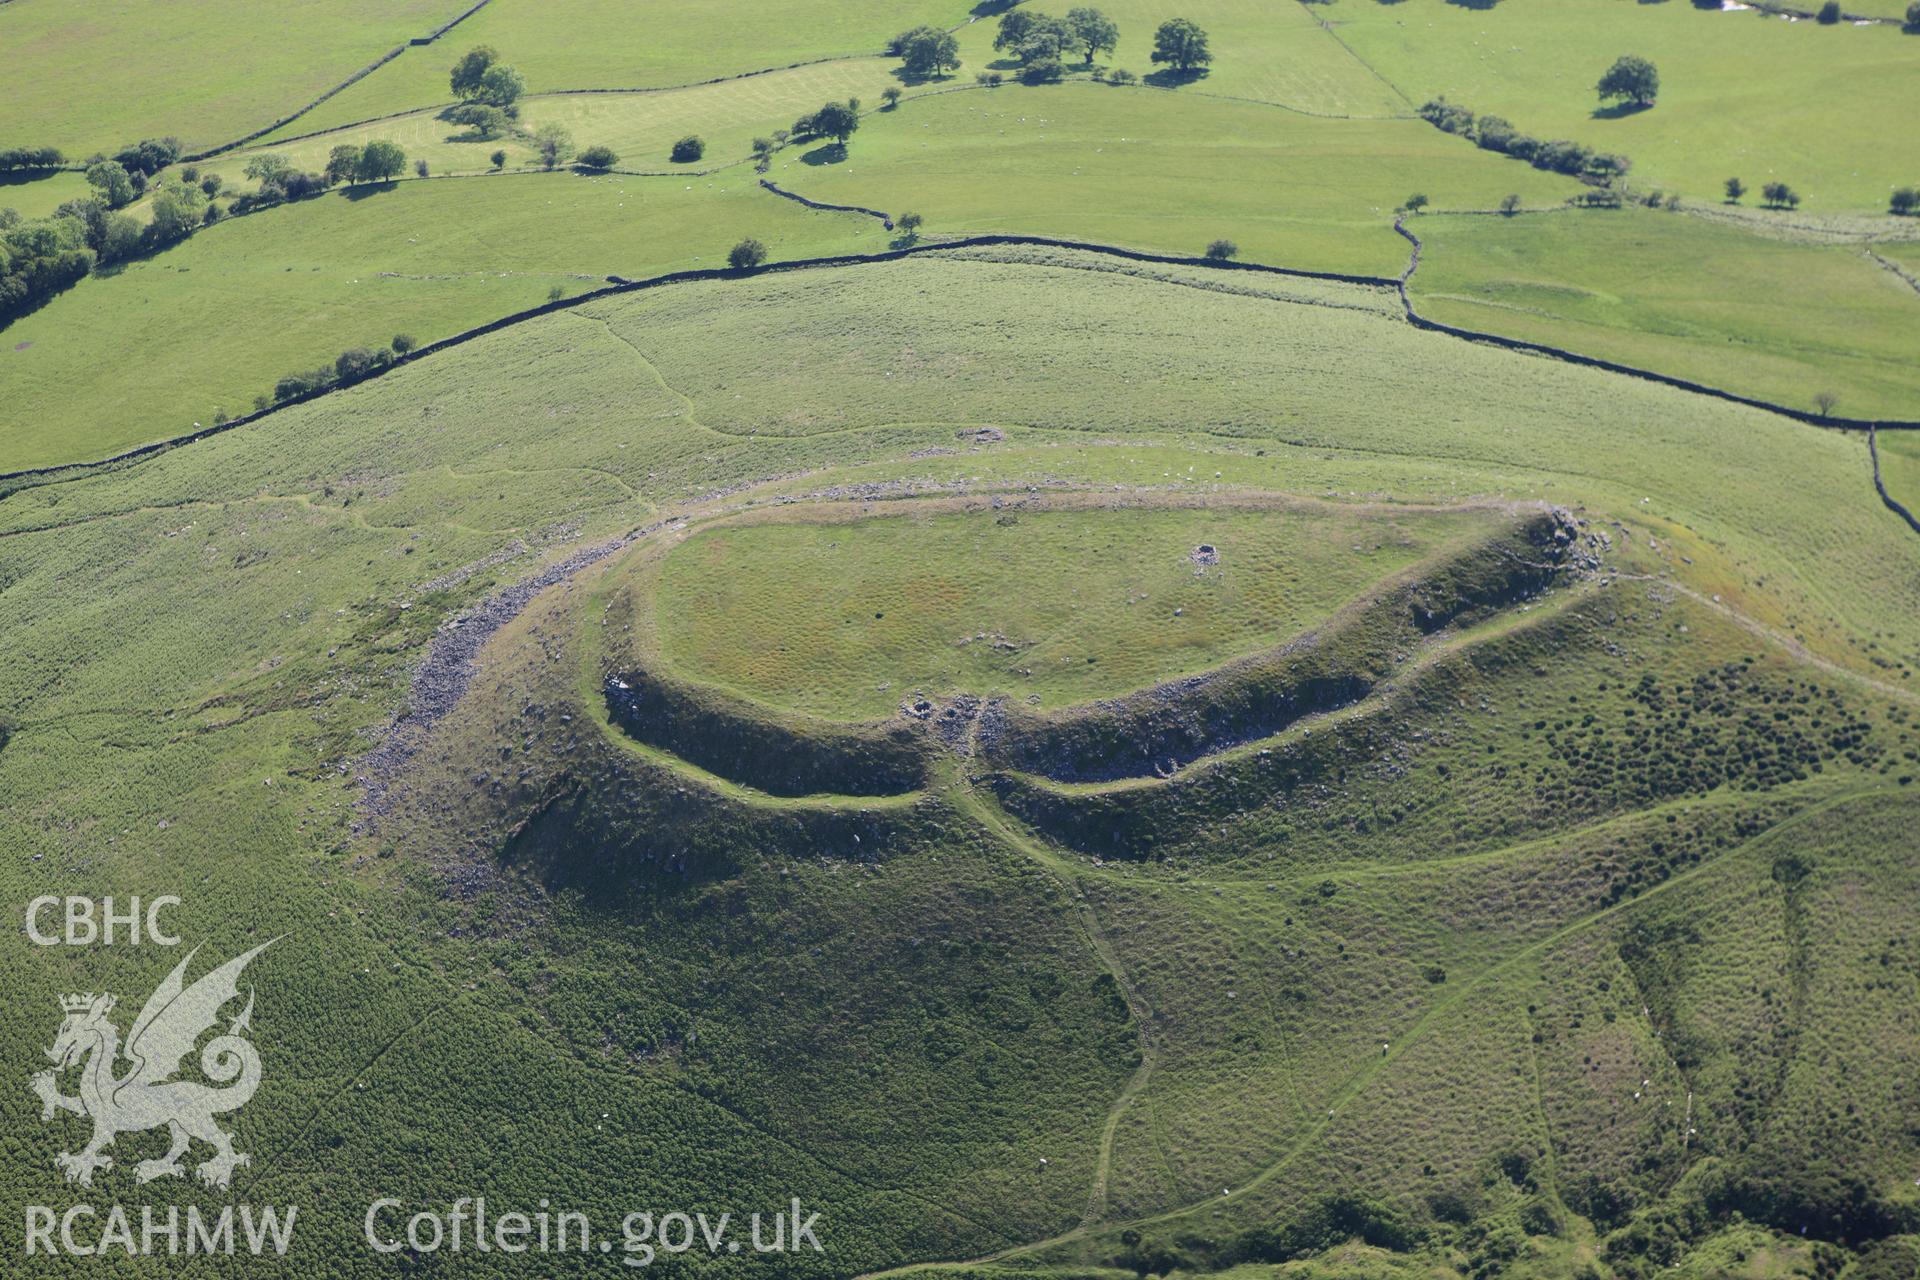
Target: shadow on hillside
point(363, 190)
point(914, 79)
point(826, 153)
point(1621, 110)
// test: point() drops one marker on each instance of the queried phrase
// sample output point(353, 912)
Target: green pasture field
point(605, 44)
point(1771, 318)
point(1278, 56)
point(37, 195)
point(1723, 76)
point(849, 620)
point(101, 76)
point(220, 318)
point(640, 127)
point(1266, 53)
point(1122, 165)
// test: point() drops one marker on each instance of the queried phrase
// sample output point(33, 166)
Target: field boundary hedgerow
point(1595, 362)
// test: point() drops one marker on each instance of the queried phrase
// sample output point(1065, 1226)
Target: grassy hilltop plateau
point(1215, 638)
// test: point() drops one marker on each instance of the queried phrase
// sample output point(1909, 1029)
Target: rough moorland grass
point(1769, 318)
point(849, 620)
point(199, 646)
point(144, 352)
point(101, 76)
point(1079, 350)
point(1725, 78)
point(1128, 166)
point(1900, 466)
point(604, 44)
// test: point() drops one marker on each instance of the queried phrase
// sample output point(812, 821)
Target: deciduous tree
point(379, 161)
point(501, 86)
point(1632, 79)
point(836, 120)
point(342, 163)
point(928, 51)
point(468, 71)
point(1093, 31)
point(1182, 45)
point(111, 179)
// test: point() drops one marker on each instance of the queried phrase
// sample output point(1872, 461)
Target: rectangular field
point(1776, 319)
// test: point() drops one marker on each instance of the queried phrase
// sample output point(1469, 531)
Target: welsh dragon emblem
point(146, 1095)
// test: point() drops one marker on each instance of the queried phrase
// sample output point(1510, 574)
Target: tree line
point(1495, 133)
point(40, 257)
point(1044, 43)
point(12, 158)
